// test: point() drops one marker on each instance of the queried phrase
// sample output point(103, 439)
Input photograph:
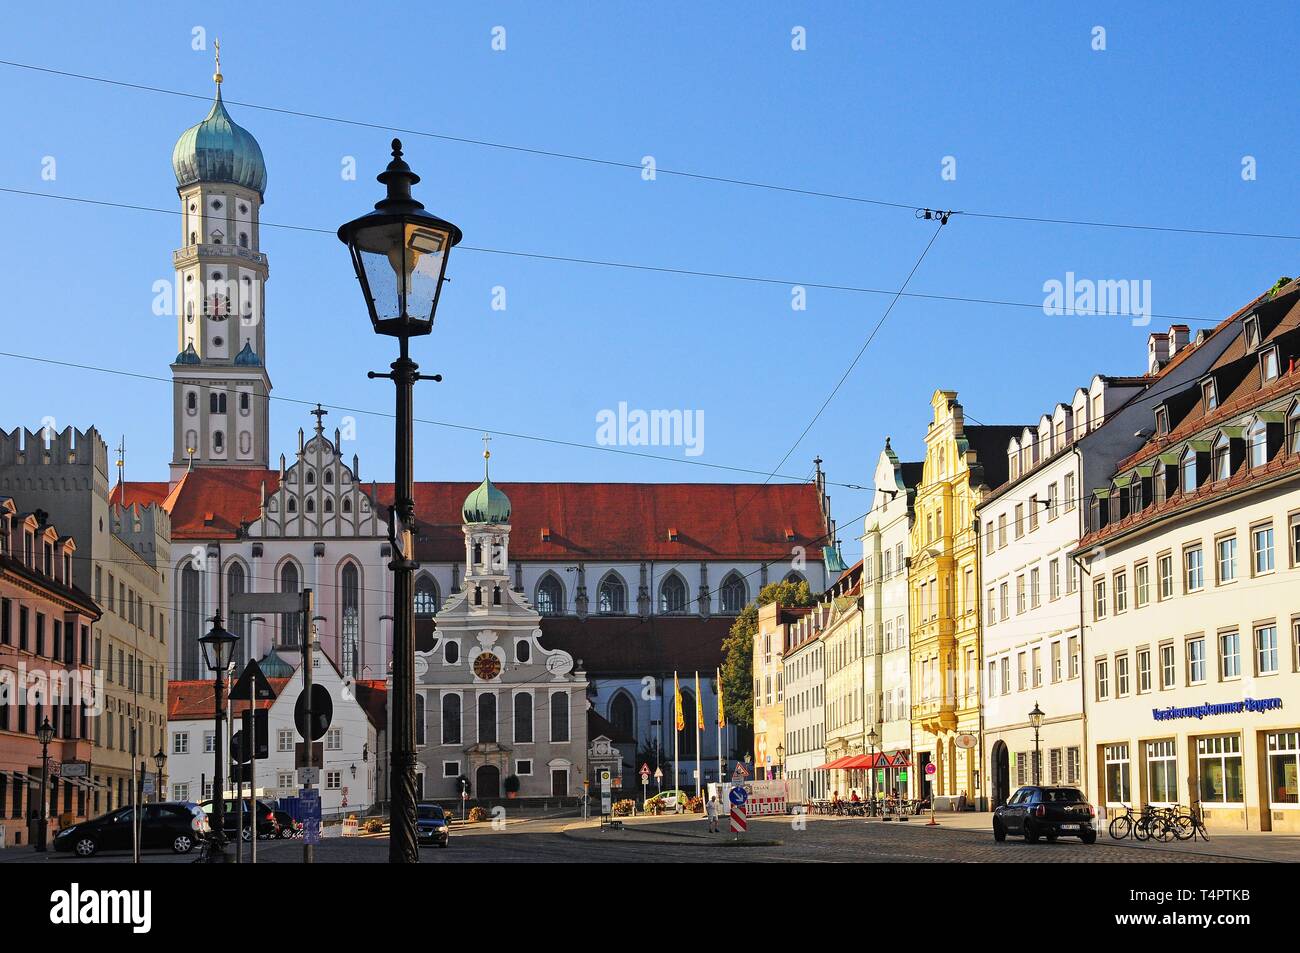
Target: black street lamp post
point(218, 645)
point(1036, 719)
point(160, 762)
point(44, 734)
point(399, 252)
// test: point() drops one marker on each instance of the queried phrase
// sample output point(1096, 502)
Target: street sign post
point(311, 815)
point(645, 780)
point(606, 807)
point(739, 823)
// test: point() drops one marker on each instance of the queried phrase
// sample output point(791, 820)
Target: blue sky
point(1153, 130)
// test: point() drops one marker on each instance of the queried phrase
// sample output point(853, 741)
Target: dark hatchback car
point(266, 823)
point(431, 824)
point(172, 825)
point(1046, 811)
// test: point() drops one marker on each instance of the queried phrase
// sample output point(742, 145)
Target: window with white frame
point(1121, 676)
point(1073, 764)
point(451, 769)
point(333, 780)
point(284, 779)
point(1283, 767)
point(1162, 772)
point(1257, 445)
point(1194, 568)
point(1196, 660)
point(1121, 592)
point(209, 742)
point(1261, 547)
point(180, 792)
point(180, 742)
point(1220, 769)
point(1054, 580)
point(1168, 667)
point(1056, 661)
point(1118, 790)
point(1144, 670)
point(1230, 655)
point(1103, 679)
point(1266, 653)
point(1075, 656)
point(524, 767)
point(1225, 551)
point(1004, 600)
point(1165, 573)
point(1141, 585)
point(284, 739)
point(1067, 492)
point(1099, 599)
point(1005, 672)
point(334, 739)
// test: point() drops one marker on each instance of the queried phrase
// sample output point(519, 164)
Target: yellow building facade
point(961, 464)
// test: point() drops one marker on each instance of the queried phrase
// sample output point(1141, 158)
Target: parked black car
point(431, 825)
point(266, 823)
point(175, 825)
point(1046, 811)
point(288, 826)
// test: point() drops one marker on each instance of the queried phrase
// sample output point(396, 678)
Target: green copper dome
point(486, 503)
point(273, 666)
point(218, 150)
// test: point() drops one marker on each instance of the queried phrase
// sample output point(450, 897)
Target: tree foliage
point(738, 649)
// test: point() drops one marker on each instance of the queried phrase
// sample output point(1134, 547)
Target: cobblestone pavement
point(820, 841)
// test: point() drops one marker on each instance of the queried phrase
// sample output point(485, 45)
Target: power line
point(636, 166)
point(656, 269)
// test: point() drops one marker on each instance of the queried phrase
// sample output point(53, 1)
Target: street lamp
point(1036, 719)
point(780, 761)
point(160, 762)
point(399, 252)
point(873, 739)
point(44, 734)
point(218, 645)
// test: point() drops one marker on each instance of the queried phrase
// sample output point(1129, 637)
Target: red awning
point(835, 765)
point(858, 762)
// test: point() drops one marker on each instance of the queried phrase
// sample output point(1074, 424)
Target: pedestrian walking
point(712, 809)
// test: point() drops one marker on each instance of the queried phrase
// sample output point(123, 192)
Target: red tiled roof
point(194, 698)
point(639, 647)
point(372, 696)
point(586, 520)
point(140, 493)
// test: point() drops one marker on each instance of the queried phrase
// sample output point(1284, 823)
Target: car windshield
point(430, 812)
point(1063, 796)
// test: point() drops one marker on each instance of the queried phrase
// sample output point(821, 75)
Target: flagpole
point(677, 707)
point(699, 726)
point(718, 696)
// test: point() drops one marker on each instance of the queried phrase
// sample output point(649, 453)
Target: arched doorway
point(487, 782)
point(1001, 774)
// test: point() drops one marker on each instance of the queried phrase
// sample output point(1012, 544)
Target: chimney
point(1178, 337)
point(1157, 351)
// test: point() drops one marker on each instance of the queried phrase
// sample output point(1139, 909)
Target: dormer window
point(1222, 462)
point(1293, 429)
point(1252, 332)
point(1162, 421)
point(1158, 483)
point(1257, 444)
point(1268, 365)
point(1187, 471)
point(1210, 394)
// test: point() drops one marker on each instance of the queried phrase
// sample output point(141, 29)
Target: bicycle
point(1122, 825)
point(210, 848)
point(1188, 825)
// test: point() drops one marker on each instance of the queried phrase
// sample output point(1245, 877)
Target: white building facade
point(805, 694)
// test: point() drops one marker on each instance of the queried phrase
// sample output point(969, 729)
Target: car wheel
point(86, 847)
point(183, 844)
point(1088, 837)
point(999, 831)
point(1031, 835)
point(247, 834)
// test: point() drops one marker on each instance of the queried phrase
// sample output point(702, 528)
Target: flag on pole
point(699, 704)
point(722, 710)
point(677, 704)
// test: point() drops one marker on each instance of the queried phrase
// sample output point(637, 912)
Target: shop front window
point(1284, 767)
point(1162, 772)
point(1219, 760)
point(1117, 774)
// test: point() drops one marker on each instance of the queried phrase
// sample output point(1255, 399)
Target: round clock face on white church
point(487, 666)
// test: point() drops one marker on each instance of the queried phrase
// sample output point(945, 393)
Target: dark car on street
point(266, 823)
point(172, 825)
point(431, 825)
point(1046, 811)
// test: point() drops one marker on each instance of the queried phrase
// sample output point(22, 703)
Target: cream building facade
point(839, 616)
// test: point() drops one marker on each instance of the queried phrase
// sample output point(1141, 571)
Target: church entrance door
point(559, 782)
point(487, 782)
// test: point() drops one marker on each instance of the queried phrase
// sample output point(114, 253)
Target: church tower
point(486, 513)
point(220, 388)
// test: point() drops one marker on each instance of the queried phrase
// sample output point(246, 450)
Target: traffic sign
point(738, 795)
point(252, 685)
point(931, 770)
point(322, 712)
point(309, 775)
point(659, 774)
point(239, 751)
point(739, 825)
point(310, 804)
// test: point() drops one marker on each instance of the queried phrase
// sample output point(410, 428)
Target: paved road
point(821, 841)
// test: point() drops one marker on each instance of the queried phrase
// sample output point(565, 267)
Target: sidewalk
point(693, 832)
point(1243, 845)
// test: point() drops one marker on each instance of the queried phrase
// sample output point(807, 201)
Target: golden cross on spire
point(216, 77)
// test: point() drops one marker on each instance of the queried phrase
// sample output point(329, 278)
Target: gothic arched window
point(426, 597)
point(733, 593)
point(612, 596)
point(622, 715)
point(350, 579)
point(290, 622)
point(672, 595)
point(550, 595)
point(191, 618)
point(238, 622)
